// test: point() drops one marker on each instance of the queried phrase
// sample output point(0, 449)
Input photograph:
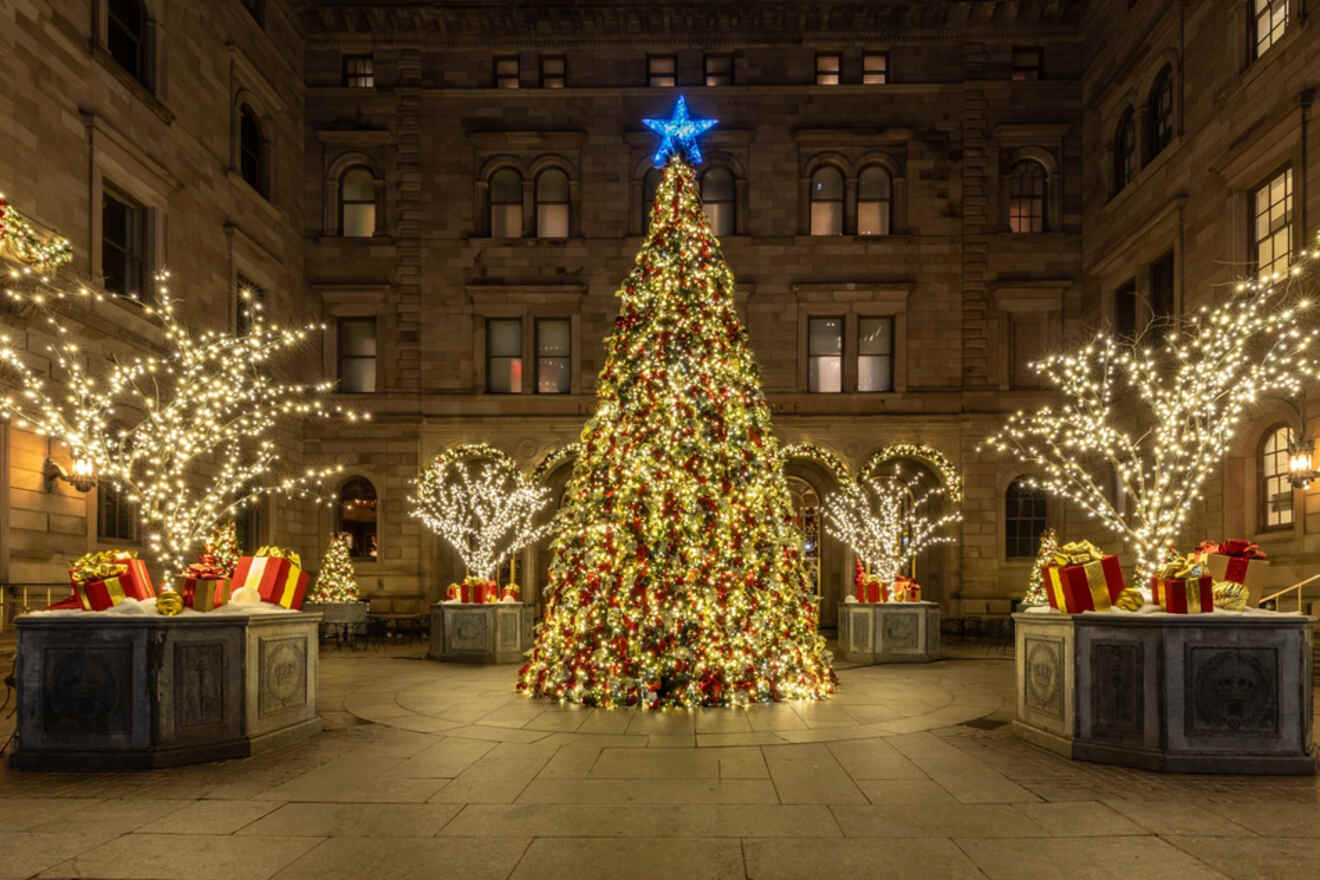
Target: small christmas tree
point(223, 545)
point(335, 582)
point(1049, 542)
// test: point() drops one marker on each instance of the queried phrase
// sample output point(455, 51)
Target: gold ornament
point(168, 603)
point(1130, 600)
point(1229, 596)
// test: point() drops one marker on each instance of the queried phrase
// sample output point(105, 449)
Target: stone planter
point(112, 692)
point(1181, 693)
point(494, 632)
point(889, 632)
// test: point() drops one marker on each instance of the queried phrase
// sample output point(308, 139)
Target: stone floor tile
point(966, 778)
point(638, 859)
point(676, 763)
point(355, 820)
point(498, 734)
point(215, 817)
point(874, 759)
point(1148, 858)
point(571, 762)
point(27, 813)
point(1271, 819)
point(1167, 818)
point(671, 741)
point(193, 857)
point(756, 738)
point(935, 820)
point(769, 859)
point(605, 721)
point(25, 853)
point(352, 858)
point(742, 763)
point(820, 715)
point(565, 720)
point(905, 791)
point(667, 723)
point(343, 786)
point(809, 774)
point(1254, 858)
point(601, 740)
point(1079, 819)
point(446, 759)
point(116, 815)
point(723, 721)
point(649, 791)
point(653, 820)
point(774, 717)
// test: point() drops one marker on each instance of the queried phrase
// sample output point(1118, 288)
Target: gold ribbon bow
point(1077, 553)
point(98, 566)
point(281, 553)
point(1181, 568)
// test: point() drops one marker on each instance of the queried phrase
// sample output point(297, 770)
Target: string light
point(1155, 416)
point(47, 253)
point(923, 452)
point(888, 521)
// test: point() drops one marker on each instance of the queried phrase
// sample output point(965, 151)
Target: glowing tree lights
point(481, 504)
point(336, 582)
point(888, 521)
point(677, 576)
point(185, 434)
point(1154, 417)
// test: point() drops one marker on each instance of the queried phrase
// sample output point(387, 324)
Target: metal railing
point(1297, 586)
point(16, 599)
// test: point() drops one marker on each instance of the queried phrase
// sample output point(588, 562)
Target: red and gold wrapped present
point(1177, 568)
point(1081, 578)
point(1241, 562)
point(204, 586)
point(275, 574)
point(905, 589)
point(871, 589)
point(1188, 595)
point(474, 590)
point(103, 580)
point(512, 592)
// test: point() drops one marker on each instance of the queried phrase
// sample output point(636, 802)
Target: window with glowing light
point(874, 198)
point(253, 151)
point(650, 184)
point(357, 355)
point(506, 204)
point(719, 70)
point(124, 246)
point(1026, 197)
point(251, 300)
point(116, 517)
point(827, 68)
point(718, 200)
point(552, 207)
point(1271, 210)
point(806, 516)
point(1276, 490)
point(1026, 63)
point(554, 350)
point(554, 72)
point(875, 68)
point(1125, 150)
point(825, 355)
point(506, 73)
point(357, 203)
point(1024, 519)
point(127, 38)
point(827, 201)
point(504, 355)
point(357, 517)
point(1159, 114)
point(1269, 20)
point(875, 354)
point(661, 71)
point(359, 72)
point(250, 523)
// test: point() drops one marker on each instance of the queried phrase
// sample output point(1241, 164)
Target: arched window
point(357, 203)
point(1026, 197)
point(1024, 519)
point(552, 204)
point(357, 517)
point(1125, 150)
point(827, 201)
point(506, 204)
point(1159, 114)
point(806, 516)
point(126, 38)
point(1276, 490)
point(718, 200)
point(874, 196)
point(252, 151)
point(650, 183)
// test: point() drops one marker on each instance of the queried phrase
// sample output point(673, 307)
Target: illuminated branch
point(887, 521)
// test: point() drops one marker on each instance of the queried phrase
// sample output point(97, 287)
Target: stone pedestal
point(889, 632)
point(111, 692)
point(1182, 693)
point(493, 632)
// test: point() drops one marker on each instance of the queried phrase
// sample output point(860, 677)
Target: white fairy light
point(887, 521)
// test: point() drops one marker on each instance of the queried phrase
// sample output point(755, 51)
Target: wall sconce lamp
point(1301, 469)
point(82, 477)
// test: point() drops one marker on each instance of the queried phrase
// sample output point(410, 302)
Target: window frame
point(490, 358)
point(1030, 71)
point(1013, 537)
point(1276, 31)
point(652, 74)
point(1264, 476)
point(869, 71)
point(1125, 150)
point(248, 115)
point(1161, 122)
point(344, 202)
point(731, 201)
point(822, 75)
point(144, 73)
point(888, 203)
point(538, 202)
point(507, 80)
point(358, 79)
point(139, 235)
point(537, 322)
point(521, 202)
point(124, 510)
point(708, 74)
point(1290, 205)
point(890, 356)
point(841, 357)
point(547, 79)
point(340, 522)
point(1037, 220)
point(841, 201)
point(341, 323)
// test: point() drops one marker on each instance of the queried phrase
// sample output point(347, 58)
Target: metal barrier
point(16, 599)
point(1297, 586)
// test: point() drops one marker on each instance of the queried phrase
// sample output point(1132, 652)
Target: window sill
point(141, 92)
point(527, 240)
point(377, 240)
point(1145, 173)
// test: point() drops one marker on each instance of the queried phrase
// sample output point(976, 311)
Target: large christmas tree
point(677, 575)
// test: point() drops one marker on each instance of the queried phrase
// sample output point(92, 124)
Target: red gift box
point(99, 595)
point(1241, 562)
point(474, 591)
point(872, 589)
point(276, 579)
point(1193, 595)
point(1091, 586)
point(906, 590)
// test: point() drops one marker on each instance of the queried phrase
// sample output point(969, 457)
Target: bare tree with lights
point(185, 434)
point(1154, 415)
point(888, 520)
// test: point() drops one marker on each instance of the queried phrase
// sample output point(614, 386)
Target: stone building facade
point(916, 199)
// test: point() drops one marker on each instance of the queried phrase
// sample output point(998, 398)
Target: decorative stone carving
point(283, 674)
point(1118, 689)
point(889, 632)
point(199, 684)
point(471, 630)
point(87, 689)
point(1044, 673)
point(901, 631)
point(1233, 691)
point(498, 632)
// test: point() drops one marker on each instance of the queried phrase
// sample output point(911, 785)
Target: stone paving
point(435, 771)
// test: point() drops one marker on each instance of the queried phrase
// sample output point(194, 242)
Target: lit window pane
point(552, 221)
point(506, 221)
point(875, 68)
point(1276, 486)
point(359, 221)
point(504, 338)
point(505, 375)
point(827, 218)
point(553, 338)
point(873, 218)
point(875, 336)
point(825, 336)
point(825, 375)
point(552, 376)
point(874, 374)
point(827, 69)
point(720, 217)
point(359, 375)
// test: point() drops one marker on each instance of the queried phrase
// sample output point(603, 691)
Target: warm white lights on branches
point(888, 520)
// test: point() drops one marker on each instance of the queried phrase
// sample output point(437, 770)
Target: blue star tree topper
point(680, 133)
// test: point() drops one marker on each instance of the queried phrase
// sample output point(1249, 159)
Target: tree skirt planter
point(1181, 693)
point(102, 691)
point(889, 632)
point(492, 632)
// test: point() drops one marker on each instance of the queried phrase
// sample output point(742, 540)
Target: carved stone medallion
point(1043, 671)
point(1117, 689)
point(87, 689)
point(283, 674)
point(900, 631)
point(1232, 691)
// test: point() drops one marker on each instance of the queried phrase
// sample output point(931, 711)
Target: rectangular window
point(719, 70)
point(875, 354)
point(1026, 63)
point(554, 349)
point(124, 246)
point(116, 517)
point(1161, 289)
point(827, 68)
point(249, 528)
point(506, 72)
point(504, 355)
point(1271, 233)
point(359, 72)
point(661, 71)
point(825, 355)
point(1028, 345)
point(1125, 310)
point(251, 302)
point(554, 72)
point(1269, 20)
point(357, 355)
point(875, 68)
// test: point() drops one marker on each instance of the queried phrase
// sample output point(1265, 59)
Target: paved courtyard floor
point(437, 771)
